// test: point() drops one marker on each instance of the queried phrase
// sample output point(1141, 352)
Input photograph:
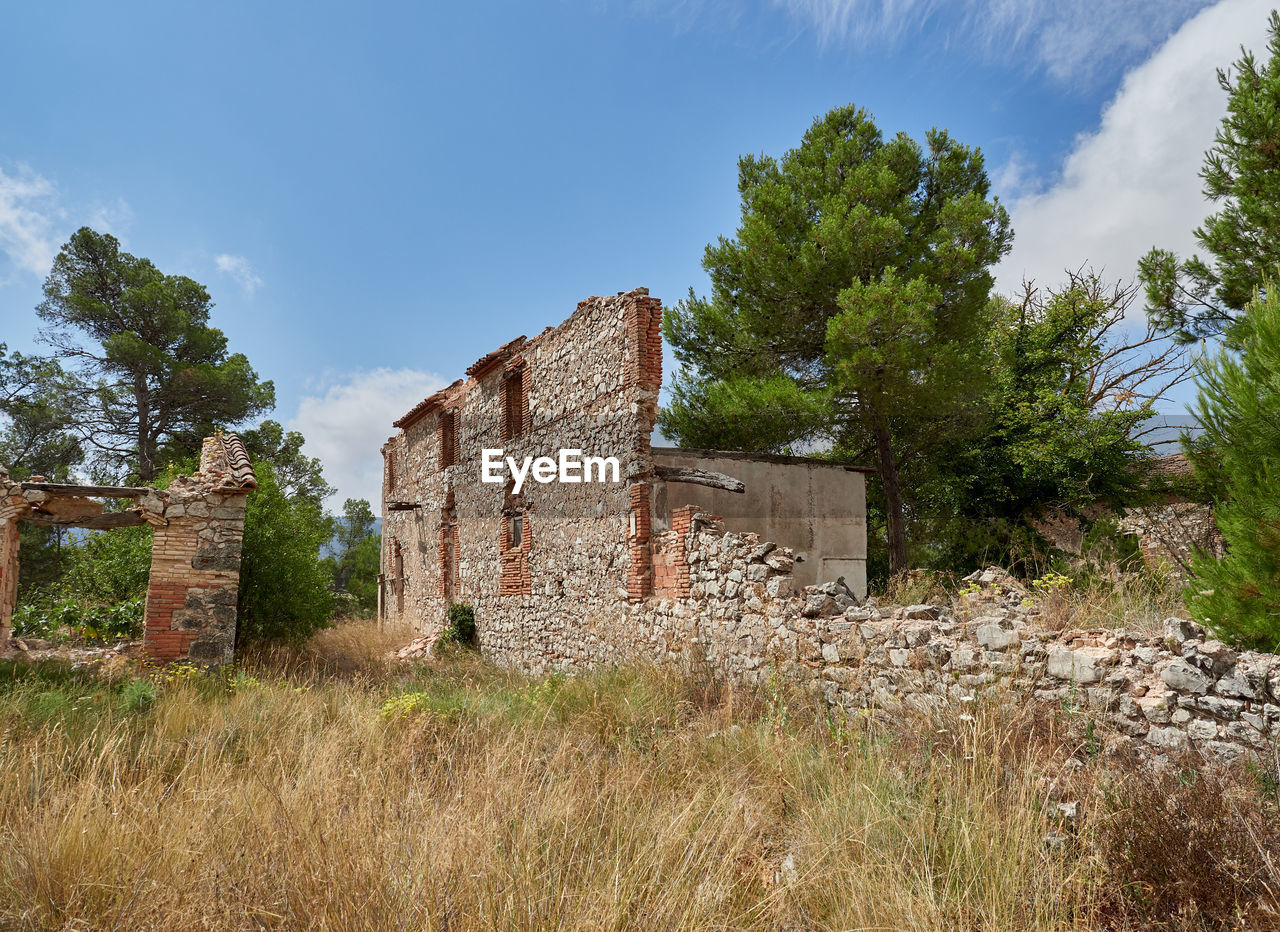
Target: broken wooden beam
point(101, 491)
point(693, 476)
point(101, 522)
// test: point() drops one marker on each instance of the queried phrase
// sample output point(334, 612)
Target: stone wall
point(564, 574)
point(534, 560)
point(745, 620)
point(1170, 534)
point(195, 559)
point(198, 526)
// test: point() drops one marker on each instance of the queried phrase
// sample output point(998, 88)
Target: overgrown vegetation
point(456, 795)
point(1239, 406)
point(461, 624)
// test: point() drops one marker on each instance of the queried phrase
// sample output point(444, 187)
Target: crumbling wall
point(195, 559)
point(590, 385)
point(1170, 534)
point(8, 570)
point(198, 527)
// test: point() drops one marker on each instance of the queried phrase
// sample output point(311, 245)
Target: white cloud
point(1134, 183)
point(29, 219)
point(241, 272)
point(347, 425)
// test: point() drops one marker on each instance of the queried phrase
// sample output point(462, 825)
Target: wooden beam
point(114, 519)
point(714, 480)
point(101, 491)
point(403, 506)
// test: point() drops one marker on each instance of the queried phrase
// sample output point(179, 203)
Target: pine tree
point(1238, 459)
point(1195, 298)
point(849, 308)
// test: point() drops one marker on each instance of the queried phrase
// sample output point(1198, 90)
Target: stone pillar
point(8, 575)
point(195, 559)
point(195, 580)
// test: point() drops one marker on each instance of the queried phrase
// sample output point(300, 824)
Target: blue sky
point(376, 194)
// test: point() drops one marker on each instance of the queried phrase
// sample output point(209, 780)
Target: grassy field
point(327, 789)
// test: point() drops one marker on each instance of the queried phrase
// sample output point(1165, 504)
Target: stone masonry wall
point(585, 579)
point(591, 385)
point(1171, 534)
point(743, 619)
point(198, 526)
point(195, 559)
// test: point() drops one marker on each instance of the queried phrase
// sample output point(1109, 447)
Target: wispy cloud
point(346, 426)
point(1072, 40)
point(1134, 183)
point(240, 271)
point(35, 220)
point(29, 220)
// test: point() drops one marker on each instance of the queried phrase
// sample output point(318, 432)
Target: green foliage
point(138, 696)
point(461, 627)
point(36, 418)
point(356, 562)
point(1060, 415)
point(70, 616)
point(849, 307)
point(284, 585)
point(1241, 172)
point(297, 473)
point(156, 376)
point(99, 593)
point(1238, 597)
point(110, 566)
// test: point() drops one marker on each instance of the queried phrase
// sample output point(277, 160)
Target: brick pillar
point(195, 578)
point(639, 579)
point(682, 525)
point(8, 575)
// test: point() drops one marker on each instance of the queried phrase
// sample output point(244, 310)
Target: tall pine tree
point(850, 307)
point(1238, 459)
point(1195, 298)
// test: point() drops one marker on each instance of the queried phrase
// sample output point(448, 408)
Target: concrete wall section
point(817, 509)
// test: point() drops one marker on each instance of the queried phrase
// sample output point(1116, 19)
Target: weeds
point(313, 789)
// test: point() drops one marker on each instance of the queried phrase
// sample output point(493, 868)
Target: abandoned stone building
point(580, 572)
point(198, 527)
point(746, 566)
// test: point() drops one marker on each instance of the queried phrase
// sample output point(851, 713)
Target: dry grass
point(1138, 602)
point(326, 789)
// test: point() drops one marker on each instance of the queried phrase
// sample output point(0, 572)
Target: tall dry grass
point(327, 789)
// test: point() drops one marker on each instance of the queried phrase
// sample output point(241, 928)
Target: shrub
point(138, 695)
point(284, 586)
point(462, 624)
point(54, 615)
point(1192, 845)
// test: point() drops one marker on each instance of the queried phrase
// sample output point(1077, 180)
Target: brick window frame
point(514, 578)
point(513, 400)
point(447, 550)
point(447, 438)
point(391, 468)
point(397, 574)
point(639, 573)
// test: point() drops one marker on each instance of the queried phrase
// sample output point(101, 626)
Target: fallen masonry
point(198, 527)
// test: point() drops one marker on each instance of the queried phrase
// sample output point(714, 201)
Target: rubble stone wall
point(590, 384)
point(1170, 534)
point(198, 527)
point(745, 620)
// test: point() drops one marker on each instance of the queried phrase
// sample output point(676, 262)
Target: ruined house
point(580, 571)
point(198, 524)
